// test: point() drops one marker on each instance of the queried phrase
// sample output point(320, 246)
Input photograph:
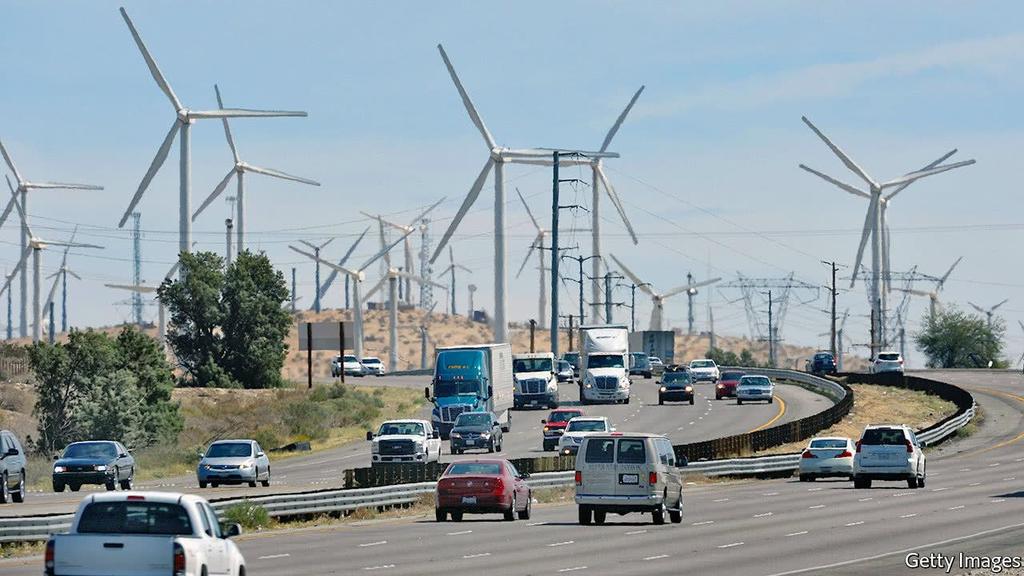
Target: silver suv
point(12, 468)
point(889, 452)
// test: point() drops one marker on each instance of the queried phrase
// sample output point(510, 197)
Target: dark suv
point(12, 468)
point(823, 363)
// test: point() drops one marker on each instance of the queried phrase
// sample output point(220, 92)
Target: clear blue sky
point(709, 160)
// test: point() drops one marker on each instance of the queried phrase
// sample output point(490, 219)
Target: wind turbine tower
point(426, 270)
point(137, 268)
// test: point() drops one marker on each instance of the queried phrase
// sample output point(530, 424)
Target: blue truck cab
point(471, 379)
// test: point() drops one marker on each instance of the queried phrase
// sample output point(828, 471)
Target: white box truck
point(474, 378)
point(604, 364)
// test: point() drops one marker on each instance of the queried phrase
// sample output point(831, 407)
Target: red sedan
point(726, 386)
point(482, 487)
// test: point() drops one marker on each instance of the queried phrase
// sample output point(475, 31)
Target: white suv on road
point(704, 369)
point(889, 452)
point(887, 361)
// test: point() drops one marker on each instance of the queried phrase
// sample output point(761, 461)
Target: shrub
point(251, 516)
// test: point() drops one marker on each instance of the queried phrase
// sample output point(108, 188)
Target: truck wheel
point(658, 515)
point(127, 483)
point(202, 484)
point(58, 486)
point(599, 516)
point(585, 514)
point(111, 484)
point(456, 516)
point(440, 515)
point(675, 516)
point(490, 446)
point(771, 400)
point(74, 487)
point(739, 402)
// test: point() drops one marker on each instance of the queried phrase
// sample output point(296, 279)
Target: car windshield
point(564, 366)
point(571, 357)
point(732, 375)
point(371, 361)
point(828, 443)
point(473, 419)
point(702, 364)
point(586, 426)
point(883, 437)
point(134, 517)
point(229, 450)
point(755, 381)
point(474, 468)
point(454, 388)
point(351, 359)
point(610, 361)
point(822, 357)
point(401, 428)
point(655, 360)
point(91, 450)
point(562, 416)
point(677, 378)
point(531, 365)
point(889, 357)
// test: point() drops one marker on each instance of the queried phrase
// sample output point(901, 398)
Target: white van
point(623, 473)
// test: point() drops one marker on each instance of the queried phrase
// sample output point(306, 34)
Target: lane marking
point(721, 500)
point(864, 499)
point(770, 494)
point(801, 533)
point(460, 533)
point(964, 470)
point(993, 465)
point(733, 544)
point(939, 489)
point(566, 543)
point(471, 556)
point(658, 557)
point(634, 532)
point(272, 556)
point(782, 411)
point(854, 523)
point(908, 515)
point(536, 523)
point(960, 507)
point(898, 494)
point(1011, 478)
point(766, 514)
point(573, 569)
point(384, 567)
point(704, 523)
point(368, 544)
point(1016, 438)
point(998, 500)
point(817, 507)
point(975, 484)
point(815, 489)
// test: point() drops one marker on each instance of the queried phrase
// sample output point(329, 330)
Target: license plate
point(469, 499)
point(629, 478)
point(470, 442)
point(533, 402)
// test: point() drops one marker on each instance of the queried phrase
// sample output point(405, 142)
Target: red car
point(726, 386)
point(555, 425)
point(482, 487)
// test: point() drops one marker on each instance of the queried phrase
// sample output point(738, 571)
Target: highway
point(683, 423)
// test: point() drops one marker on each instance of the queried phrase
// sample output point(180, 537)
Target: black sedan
point(96, 462)
point(675, 387)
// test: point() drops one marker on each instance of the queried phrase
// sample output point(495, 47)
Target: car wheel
point(266, 482)
point(127, 483)
point(75, 487)
point(202, 484)
point(803, 477)
point(660, 401)
point(658, 515)
point(19, 496)
point(111, 484)
point(861, 483)
point(675, 516)
point(58, 486)
point(214, 485)
point(456, 516)
point(490, 446)
point(920, 482)
point(600, 516)
point(691, 401)
point(5, 492)
point(440, 515)
point(771, 400)
point(627, 399)
point(739, 402)
point(528, 511)
point(585, 514)
point(510, 514)
point(912, 482)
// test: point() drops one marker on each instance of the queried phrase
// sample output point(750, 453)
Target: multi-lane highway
point(706, 419)
point(973, 502)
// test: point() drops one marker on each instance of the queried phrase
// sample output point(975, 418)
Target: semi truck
point(604, 364)
point(536, 384)
point(475, 378)
point(659, 343)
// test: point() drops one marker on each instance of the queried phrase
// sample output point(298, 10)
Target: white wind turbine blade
point(227, 129)
point(942, 159)
point(216, 192)
point(17, 268)
point(310, 244)
point(842, 155)
point(49, 297)
point(674, 291)
point(246, 113)
point(73, 244)
point(334, 273)
point(913, 291)
point(528, 211)
point(643, 286)
point(466, 101)
point(133, 288)
point(976, 307)
point(908, 178)
point(154, 166)
point(851, 189)
point(383, 252)
point(428, 210)
point(942, 281)
point(1021, 322)
point(376, 287)
point(705, 283)
point(357, 275)
point(993, 309)
point(474, 193)
point(383, 242)
point(72, 272)
point(868, 220)
point(278, 174)
point(173, 270)
point(151, 63)
point(409, 263)
point(614, 197)
point(529, 253)
point(61, 186)
point(10, 163)
point(886, 246)
point(421, 280)
point(618, 121)
point(10, 203)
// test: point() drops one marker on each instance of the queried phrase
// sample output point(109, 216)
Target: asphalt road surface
point(706, 419)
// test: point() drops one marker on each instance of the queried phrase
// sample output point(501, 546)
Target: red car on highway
point(554, 425)
point(726, 387)
point(482, 487)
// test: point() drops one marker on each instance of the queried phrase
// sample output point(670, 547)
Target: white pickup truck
point(143, 533)
point(404, 441)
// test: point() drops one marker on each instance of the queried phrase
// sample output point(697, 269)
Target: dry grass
point(881, 405)
point(21, 549)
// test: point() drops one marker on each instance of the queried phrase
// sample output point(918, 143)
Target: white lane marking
point(814, 489)
point(864, 499)
point(636, 532)
point(998, 500)
point(964, 470)
point(680, 428)
point(898, 494)
point(566, 543)
point(1009, 479)
point(993, 465)
point(536, 523)
point(908, 515)
point(721, 500)
point(960, 507)
point(854, 523)
point(770, 494)
point(816, 507)
point(1019, 460)
point(764, 515)
point(704, 523)
point(691, 424)
point(384, 567)
point(939, 489)
point(460, 533)
point(975, 484)
point(801, 533)
point(733, 544)
point(658, 557)
point(700, 417)
point(573, 569)
point(368, 544)
point(272, 556)
point(471, 556)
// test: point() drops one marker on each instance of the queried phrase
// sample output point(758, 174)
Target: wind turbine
point(316, 252)
point(412, 226)
point(61, 276)
point(538, 244)
point(451, 269)
point(656, 298)
point(392, 279)
point(23, 187)
point(358, 276)
point(334, 273)
point(146, 289)
point(497, 157)
point(933, 295)
point(238, 171)
point(691, 291)
point(184, 117)
point(989, 312)
point(873, 225)
point(35, 247)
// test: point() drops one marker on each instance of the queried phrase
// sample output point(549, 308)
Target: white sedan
point(373, 365)
point(827, 457)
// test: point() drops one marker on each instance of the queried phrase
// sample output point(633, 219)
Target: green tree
point(952, 338)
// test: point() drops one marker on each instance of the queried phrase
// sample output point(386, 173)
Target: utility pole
point(579, 260)
point(555, 209)
point(690, 293)
point(53, 326)
point(137, 267)
point(608, 277)
point(64, 299)
point(293, 289)
point(10, 326)
point(771, 333)
point(229, 225)
point(570, 318)
point(632, 302)
point(832, 290)
point(533, 330)
point(347, 303)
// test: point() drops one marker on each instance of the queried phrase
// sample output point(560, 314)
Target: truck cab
point(404, 441)
point(604, 358)
point(471, 379)
point(536, 383)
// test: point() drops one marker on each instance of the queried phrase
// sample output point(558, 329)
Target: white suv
point(887, 361)
point(704, 369)
point(889, 452)
point(579, 428)
point(373, 365)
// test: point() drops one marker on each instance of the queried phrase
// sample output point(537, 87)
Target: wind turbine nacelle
point(692, 291)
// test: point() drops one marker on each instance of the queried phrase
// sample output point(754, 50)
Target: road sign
point(325, 336)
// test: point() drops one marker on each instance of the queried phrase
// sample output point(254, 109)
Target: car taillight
point(179, 559)
point(858, 446)
point(579, 478)
point(499, 486)
point(910, 447)
point(845, 454)
point(808, 454)
point(48, 562)
point(652, 478)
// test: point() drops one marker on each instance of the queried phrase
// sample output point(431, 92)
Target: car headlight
point(101, 468)
point(546, 429)
point(663, 389)
point(721, 385)
point(374, 448)
point(588, 385)
point(455, 435)
point(485, 434)
point(246, 466)
point(419, 446)
point(689, 388)
point(207, 467)
point(59, 469)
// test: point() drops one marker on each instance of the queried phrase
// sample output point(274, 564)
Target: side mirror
point(524, 475)
point(612, 429)
point(122, 455)
point(260, 454)
point(201, 455)
point(490, 391)
point(426, 392)
point(435, 434)
point(542, 421)
point(231, 530)
point(56, 456)
point(369, 435)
